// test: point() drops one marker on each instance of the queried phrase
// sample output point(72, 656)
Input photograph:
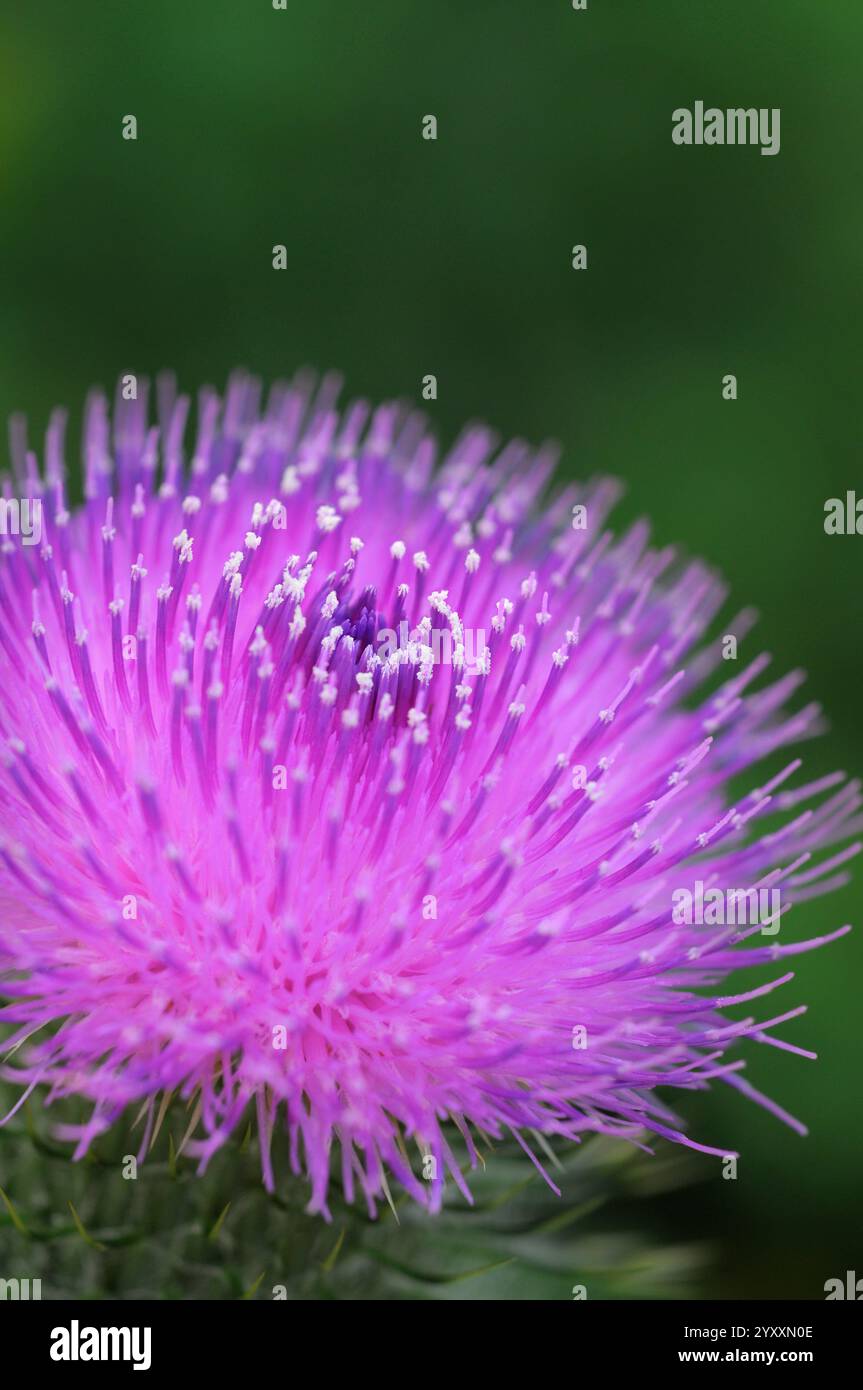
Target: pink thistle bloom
point(359, 788)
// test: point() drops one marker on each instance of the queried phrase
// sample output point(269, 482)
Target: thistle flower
point(355, 788)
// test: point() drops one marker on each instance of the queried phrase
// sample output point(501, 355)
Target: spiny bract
point(355, 787)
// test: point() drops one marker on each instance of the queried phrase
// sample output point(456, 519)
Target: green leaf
point(16, 1219)
point(216, 1228)
point(82, 1231)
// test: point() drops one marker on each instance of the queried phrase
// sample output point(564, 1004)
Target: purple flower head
point(364, 789)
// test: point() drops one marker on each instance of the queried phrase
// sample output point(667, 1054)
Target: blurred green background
point(408, 257)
